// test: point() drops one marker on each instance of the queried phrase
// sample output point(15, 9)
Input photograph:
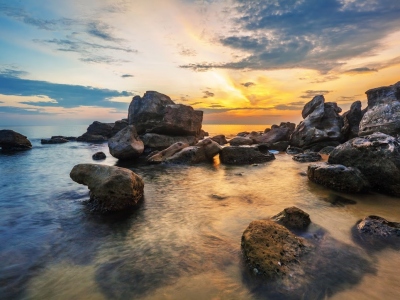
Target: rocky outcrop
point(126, 144)
point(111, 188)
point(100, 132)
point(162, 156)
point(99, 156)
point(351, 121)
point(383, 114)
point(118, 126)
point(321, 123)
point(244, 155)
point(240, 141)
point(157, 113)
point(338, 177)
point(160, 142)
point(220, 139)
point(54, 140)
point(13, 141)
point(307, 157)
point(276, 134)
point(280, 146)
point(204, 151)
point(377, 156)
point(293, 218)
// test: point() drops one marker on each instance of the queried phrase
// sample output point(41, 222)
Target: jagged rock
point(276, 133)
point(338, 177)
point(204, 151)
point(319, 146)
point(126, 144)
point(351, 121)
point(99, 156)
point(377, 156)
point(293, 218)
point(160, 142)
point(111, 188)
point(321, 123)
point(294, 150)
point(245, 155)
point(202, 134)
point(307, 157)
point(220, 139)
point(240, 141)
point(326, 150)
point(383, 114)
point(13, 141)
point(157, 113)
point(161, 156)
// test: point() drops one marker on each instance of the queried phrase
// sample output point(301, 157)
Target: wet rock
point(307, 157)
point(293, 218)
point(54, 140)
point(321, 145)
point(160, 141)
point(68, 138)
point(326, 150)
point(383, 114)
point(204, 151)
point(276, 134)
point(240, 141)
point(13, 141)
point(377, 156)
point(244, 155)
point(111, 188)
point(211, 148)
point(321, 123)
point(280, 146)
point(243, 133)
point(351, 121)
point(294, 150)
point(99, 156)
point(338, 177)
point(126, 144)
point(162, 156)
point(220, 139)
point(157, 113)
point(378, 227)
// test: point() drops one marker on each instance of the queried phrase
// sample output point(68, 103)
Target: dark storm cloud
point(309, 34)
point(65, 95)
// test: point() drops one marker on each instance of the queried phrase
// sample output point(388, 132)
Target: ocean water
point(183, 241)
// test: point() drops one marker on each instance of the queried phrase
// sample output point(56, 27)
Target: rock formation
point(101, 132)
point(99, 156)
point(220, 139)
point(156, 141)
point(54, 140)
point(244, 155)
point(126, 144)
point(351, 121)
point(13, 141)
point(162, 156)
point(111, 188)
point(240, 141)
point(276, 134)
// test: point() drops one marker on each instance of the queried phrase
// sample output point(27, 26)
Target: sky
point(240, 61)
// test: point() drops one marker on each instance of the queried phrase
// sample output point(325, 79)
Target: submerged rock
point(338, 177)
point(111, 188)
point(162, 156)
point(54, 140)
point(307, 157)
point(13, 141)
point(244, 155)
point(293, 218)
point(377, 156)
point(126, 144)
point(99, 156)
point(378, 227)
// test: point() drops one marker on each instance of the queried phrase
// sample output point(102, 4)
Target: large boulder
point(118, 126)
point(97, 132)
point(244, 155)
point(377, 156)
point(321, 123)
point(157, 113)
point(204, 151)
point(126, 144)
point(351, 121)
point(13, 141)
point(211, 148)
point(160, 142)
point(276, 134)
point(383, 114)
point(241, 141)
point(220, 139)
point(162, 156)
point(111, 188)
point(338, 177)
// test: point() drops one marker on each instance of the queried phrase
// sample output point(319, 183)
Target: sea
point(184, 239)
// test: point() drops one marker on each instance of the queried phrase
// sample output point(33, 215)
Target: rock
point(351, 121)
point(13, 141)
point(97, 132)
point(238, 155)
point(69, 138)
point(307, 157)
point(54, 140)
point(377, 156)
point(378, 227)
point(240, 141)
point(272, 250)
point(322, 123)
point(276, 134)
point(157, 113)
point(293, 218)
point(161, 156)
point(211, 148)
point(89, 138)
point(326, 150)
point(383, 114)
point(202, 134)
point(160, 142)
point(111, 188)
point(338, 177)
point(280, 146)
point(294, 150)
point(220, 139)
point(319, 146)
point(99, 156)
point(126, 144)
point(243, 133)
point(204, 151)
point(118, 126)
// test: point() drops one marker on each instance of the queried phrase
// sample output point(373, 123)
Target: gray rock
point(307, 157)
point(188, 155)
point(118, 126)
point(161, 142)
point(97, 132)
point(378, 227)
point(162, 156)
point(351, 121)
point(126, 144)
point(244, 155)
point(13, 141)
point(293, 218)
point(326, 150)
point(338, 177)
point(54, 140)
point(157, 113)
point(377, 156)
point(240, 141)
point(280, 146)
point(276, 133)
point(220, 139)
point(294, 150)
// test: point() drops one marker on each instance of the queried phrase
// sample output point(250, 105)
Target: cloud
point(291, 106)
point(213, 110)
point(309, 34)
point(195, 103)
point(216, 106)
point(101, 30)
point(12, 73)
point(348, 98)
point(248, 84)
point(208, 94)
point(126, 76)
point(360, 71)
point(186, 51)
point(311, 93)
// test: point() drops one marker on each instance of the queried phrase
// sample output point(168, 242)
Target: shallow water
point(183, 242)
